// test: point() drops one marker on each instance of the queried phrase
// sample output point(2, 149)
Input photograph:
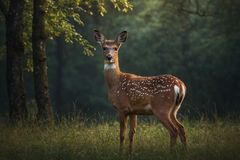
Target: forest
point(197, 42)
point(52, 72)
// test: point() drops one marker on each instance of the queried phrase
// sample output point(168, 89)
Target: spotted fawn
point(133, 95)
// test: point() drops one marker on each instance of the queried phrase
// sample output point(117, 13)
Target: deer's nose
point(108, 57)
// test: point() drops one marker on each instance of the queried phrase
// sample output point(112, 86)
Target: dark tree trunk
point(15, 51)
point(60, 48)
point(39, 38)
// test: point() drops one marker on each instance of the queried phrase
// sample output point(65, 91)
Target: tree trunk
point(39, 38)
point(15, 51)
point(60, 48)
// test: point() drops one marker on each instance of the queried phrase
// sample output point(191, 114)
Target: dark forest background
point(197, 41)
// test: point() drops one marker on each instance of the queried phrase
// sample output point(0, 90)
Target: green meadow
point(77, 139)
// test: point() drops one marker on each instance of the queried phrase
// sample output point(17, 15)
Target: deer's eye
point(104, 48)
point(115, 48)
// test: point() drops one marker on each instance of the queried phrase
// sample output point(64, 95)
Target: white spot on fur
point(109, 66)
point(176, 89)
point(148, 107)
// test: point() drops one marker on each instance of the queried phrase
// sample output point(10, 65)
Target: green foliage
point(73, 139)
point(122, 5)
point(61, 16)
point(65, 16)
point(63, 19)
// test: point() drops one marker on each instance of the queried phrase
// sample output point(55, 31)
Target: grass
point(71, 140)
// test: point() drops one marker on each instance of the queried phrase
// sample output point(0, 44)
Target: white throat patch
point(109, 66)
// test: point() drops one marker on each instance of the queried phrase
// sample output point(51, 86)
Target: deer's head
point(110, 47)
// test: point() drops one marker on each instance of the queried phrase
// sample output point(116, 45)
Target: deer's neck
point(112, 74)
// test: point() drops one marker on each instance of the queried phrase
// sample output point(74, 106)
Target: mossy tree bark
point(39, 38)
point(15, 52)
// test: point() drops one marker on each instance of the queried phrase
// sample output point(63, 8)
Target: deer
point(133, 95)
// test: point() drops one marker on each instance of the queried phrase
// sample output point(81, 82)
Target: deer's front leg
point(133, 127)
point(123, 118)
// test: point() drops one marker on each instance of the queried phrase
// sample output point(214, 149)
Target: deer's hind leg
point(180, 127)
point(163, 115)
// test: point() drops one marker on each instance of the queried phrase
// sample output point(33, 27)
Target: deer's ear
point(99, 37)
point(122, 37)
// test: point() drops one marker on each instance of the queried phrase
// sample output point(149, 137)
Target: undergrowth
point(77, 139)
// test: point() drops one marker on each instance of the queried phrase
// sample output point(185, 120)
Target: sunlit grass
point(73, 140)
